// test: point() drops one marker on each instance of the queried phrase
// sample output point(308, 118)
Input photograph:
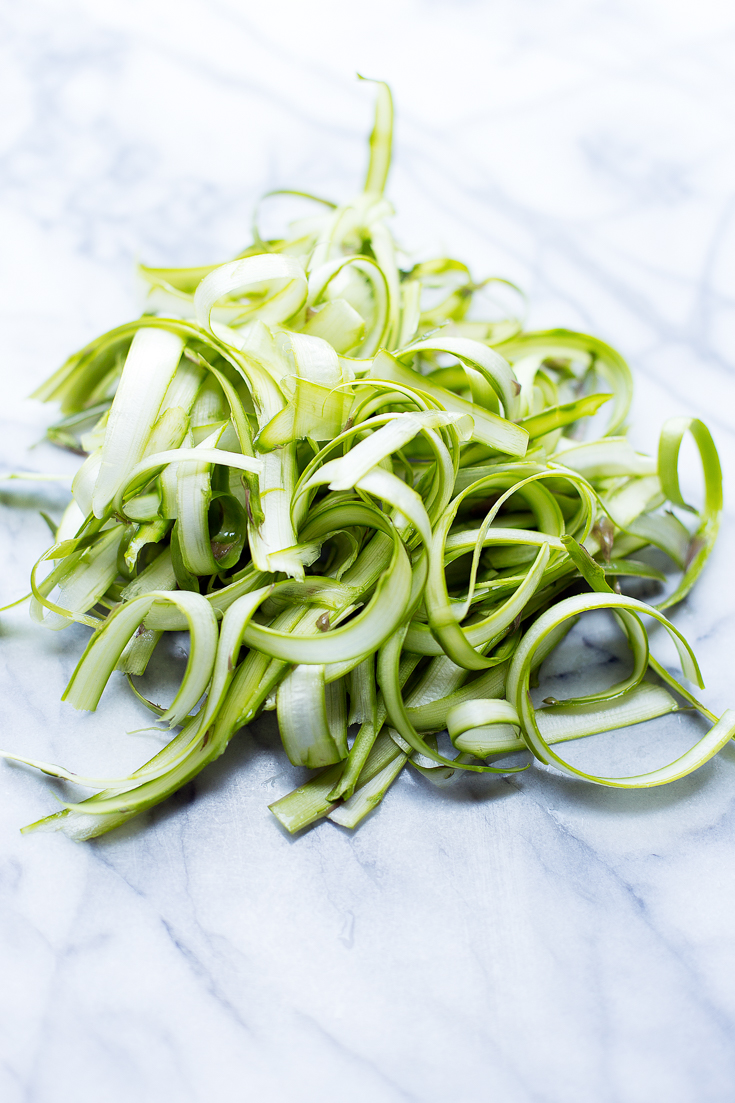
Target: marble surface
point(530, 939)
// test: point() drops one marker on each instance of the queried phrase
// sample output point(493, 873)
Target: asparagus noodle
point(367, 505)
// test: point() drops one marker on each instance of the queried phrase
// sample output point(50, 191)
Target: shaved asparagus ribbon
point(368, 506)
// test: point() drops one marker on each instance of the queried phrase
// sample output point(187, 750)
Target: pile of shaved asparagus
point(367, 508)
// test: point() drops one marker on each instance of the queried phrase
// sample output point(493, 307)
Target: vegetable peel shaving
point(367, 507)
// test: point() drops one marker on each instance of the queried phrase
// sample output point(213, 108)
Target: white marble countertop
point(530, 939)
